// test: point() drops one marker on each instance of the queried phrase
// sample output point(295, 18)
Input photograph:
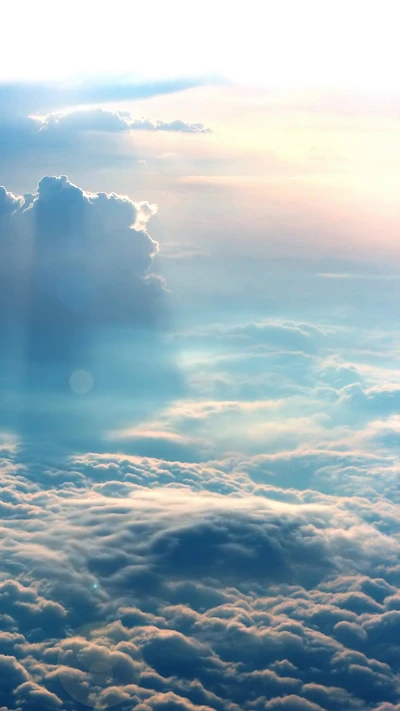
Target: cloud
point(78, 295)
point(292, 336)
point(69, 141)
point(9, 203)
point(192, 601)
point(28, 98)
point(111, 121)
point(162, 445)
point(382, 400)
point(292, 703)
point(195, 579)
point(74, 252)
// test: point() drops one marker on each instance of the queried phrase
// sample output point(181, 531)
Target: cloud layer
point(121, 585)
point(198, 515)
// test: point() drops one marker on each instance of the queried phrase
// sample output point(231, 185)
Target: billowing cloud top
point(9, 203)
point(64, 249)
point(77, 295)
point(137, 582)
point(106, 120)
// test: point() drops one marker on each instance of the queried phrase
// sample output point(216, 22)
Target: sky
point(199, 420)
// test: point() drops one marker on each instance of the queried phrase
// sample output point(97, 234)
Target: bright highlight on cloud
point(103, 120)
point(71, 256)
point(75, 279)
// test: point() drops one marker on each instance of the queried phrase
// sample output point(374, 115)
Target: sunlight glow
point(351, 44)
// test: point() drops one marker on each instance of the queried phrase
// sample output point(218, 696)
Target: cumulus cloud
point(57, 128)
point(9, 203)
point(128, 588)
point(159, 571)
point(76, 278)
point(266, 580)
point(66, 250)
point(72, 261)
point(109, 121)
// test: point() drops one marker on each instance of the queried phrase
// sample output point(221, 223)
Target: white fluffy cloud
point(237, 548)
point(66, 251)
point(77, 293)
point(120, 584)
point(108, 120)
point(195, 580)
